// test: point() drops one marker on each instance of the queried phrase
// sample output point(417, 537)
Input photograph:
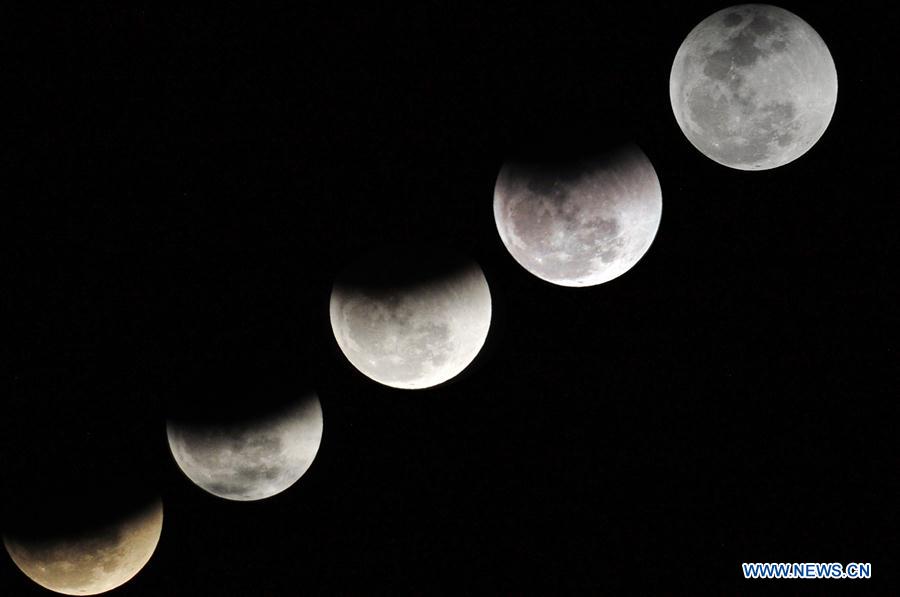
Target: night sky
point(180, 190)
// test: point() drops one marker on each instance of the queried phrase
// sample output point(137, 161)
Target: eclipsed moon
point(93, 561)
point(579, 224)
point(753, 87)
point(411, 320)
point(250, 459)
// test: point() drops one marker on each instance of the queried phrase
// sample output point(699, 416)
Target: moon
point(250, 459)
point(579, 224)
point(411, 321)
point(753, 87)
point(92, 562)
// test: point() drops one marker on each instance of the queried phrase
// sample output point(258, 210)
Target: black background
point(182, 187)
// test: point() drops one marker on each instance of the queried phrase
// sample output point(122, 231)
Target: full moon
point(88, 563)
point(579, 224)
point(411, 322)
point(753, 87)
point(250, 459)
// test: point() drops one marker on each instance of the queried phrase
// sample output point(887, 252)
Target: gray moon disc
point(90, 562)
point(409, 322)
point(582, 224)
point(753, 87)
point(251, 459)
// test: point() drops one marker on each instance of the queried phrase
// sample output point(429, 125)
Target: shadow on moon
point(86, 541)
point(581, 222)
point(92, 452)
point(57, 513)
point(411, 316)
point(244, 425)
point(401, 268)
point(236, 383)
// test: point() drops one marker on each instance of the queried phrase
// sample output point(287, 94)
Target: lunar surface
point(94, 562)
point(409, 322)
point(583, 223)
point(753, 87)
point(251, 459)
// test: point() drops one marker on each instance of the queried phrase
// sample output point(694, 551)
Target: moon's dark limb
point(753, 87)
point(408, 320)
point(251, 459)
point(583, 224)
point(90, 561)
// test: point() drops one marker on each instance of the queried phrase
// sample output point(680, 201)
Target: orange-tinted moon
point(90, 562)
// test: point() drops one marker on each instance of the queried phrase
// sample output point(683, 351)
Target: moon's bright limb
point(251, 459)
point(410, 322)
point(582, 224)
point(90, 562)
point(753, 87)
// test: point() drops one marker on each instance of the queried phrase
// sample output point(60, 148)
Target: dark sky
point(181, 188)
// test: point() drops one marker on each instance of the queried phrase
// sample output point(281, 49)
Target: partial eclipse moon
point(753, 87)
point(411, 321)
point(90, 562)
point(253, 458)
point(581, 223)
